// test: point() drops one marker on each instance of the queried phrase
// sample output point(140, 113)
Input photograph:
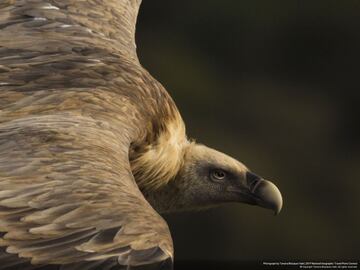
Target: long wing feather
point(63, 202)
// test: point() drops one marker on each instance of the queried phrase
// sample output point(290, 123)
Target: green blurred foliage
point(276, 85)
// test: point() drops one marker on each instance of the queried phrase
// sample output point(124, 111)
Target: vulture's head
point(208, 178)
point(217, 178)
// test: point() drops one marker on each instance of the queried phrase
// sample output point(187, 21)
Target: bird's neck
point(177, 196)
point(169, 198)
point(157, 163)
point(164, 199)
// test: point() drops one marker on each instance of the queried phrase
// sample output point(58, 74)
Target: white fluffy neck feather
point(161, 161)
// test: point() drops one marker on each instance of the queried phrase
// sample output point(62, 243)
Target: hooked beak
point(261, 192)
point(268, 195)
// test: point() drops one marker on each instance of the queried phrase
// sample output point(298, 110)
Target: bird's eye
point(218, 174)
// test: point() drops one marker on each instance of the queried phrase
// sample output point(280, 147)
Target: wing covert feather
point(108, 24)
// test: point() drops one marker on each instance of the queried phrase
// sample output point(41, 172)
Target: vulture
point(92, 148)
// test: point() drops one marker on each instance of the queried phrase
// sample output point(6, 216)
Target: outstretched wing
point(67, 197)
point(69, 105)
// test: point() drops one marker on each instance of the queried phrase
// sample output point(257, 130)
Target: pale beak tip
point(270, 196)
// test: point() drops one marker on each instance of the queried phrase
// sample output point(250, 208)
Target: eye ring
point(218, 174)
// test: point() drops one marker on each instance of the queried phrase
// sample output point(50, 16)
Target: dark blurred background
point(276, 85)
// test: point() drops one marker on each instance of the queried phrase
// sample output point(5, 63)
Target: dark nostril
point(252, 180)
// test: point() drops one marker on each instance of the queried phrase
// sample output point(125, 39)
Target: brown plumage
point(86, 134)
